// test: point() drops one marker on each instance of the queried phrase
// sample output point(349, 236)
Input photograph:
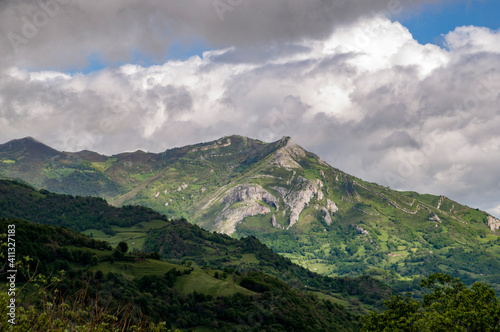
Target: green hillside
point(318, 216)
point(179, 242)
point(148, 291)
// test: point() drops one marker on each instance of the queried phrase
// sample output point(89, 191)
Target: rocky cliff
point(493, 223)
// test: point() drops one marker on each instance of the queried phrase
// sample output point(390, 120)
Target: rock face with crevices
point(230, 217)
point(493, 223)
point(243, 201)
point(287, 156)
point(298, 197)
point(326, 216)
point(246, 192)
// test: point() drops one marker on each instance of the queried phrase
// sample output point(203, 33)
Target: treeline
point(78, 213)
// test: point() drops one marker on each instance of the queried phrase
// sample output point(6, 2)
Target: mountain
point(29, 148)
point(205, 280)
point(318, 216)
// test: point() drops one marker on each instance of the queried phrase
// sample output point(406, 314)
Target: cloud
point(397, 139)
point(411, 116)
point(64, 34)
point(471, 39)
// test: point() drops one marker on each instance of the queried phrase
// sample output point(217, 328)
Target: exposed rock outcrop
point(231, 216)
point(245, 192)
point(494, 223)
point(435, 218)
point(275, 223)
point(331, 206)
point(297, 198)
point(288, 155)
point(360, 230)
point(326, 216)
point(218, 144)
point(320, 195)
point(248, 197)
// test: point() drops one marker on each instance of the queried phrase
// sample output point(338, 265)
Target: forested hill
point(62, 273)
point(211, 255)
point(79, 213)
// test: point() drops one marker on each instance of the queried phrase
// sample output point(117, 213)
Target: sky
point(404, 93)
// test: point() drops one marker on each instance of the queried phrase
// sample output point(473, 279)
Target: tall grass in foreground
point(41, 306)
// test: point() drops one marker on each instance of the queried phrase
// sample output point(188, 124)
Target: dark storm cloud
point(62, 34)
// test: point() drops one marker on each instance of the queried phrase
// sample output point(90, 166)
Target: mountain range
point(320, 217)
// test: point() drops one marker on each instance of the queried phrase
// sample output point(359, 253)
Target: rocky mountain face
point(303, 208)
point(494, 223)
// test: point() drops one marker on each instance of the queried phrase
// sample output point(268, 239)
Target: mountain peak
point(28, 145)
point(288, 154)
point(285, 140)
point(27, 139)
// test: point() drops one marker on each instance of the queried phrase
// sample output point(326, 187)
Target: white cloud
point(384, 108)
point(471, 39)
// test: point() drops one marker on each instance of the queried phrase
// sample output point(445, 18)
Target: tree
point(450, 306)
point(118, 254)
point(122, 246)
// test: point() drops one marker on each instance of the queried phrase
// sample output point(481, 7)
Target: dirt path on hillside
point(121, 199)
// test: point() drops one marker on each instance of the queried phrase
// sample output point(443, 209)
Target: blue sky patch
point(433, 20)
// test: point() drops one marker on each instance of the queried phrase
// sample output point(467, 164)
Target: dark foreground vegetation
point(448, 306)
point(58, 299)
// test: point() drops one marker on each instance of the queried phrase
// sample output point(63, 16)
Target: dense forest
point(271, 304)
point(19, 200)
